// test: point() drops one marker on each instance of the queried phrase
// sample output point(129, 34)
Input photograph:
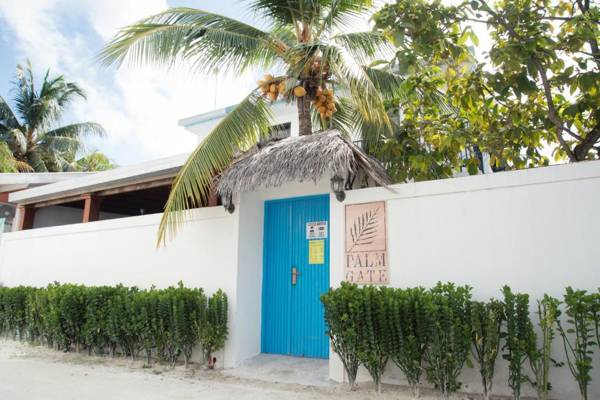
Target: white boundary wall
point(535, 230)
point(124, 251)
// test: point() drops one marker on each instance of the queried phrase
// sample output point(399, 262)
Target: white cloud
point(139, 107)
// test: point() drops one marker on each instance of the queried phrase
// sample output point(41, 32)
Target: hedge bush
point(163, 324)
point(433, 332)
point(409, 333)
point(343, 315)
point(486, 324)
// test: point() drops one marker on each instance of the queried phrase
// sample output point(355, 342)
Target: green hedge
point(435, 333)
point(165, 324)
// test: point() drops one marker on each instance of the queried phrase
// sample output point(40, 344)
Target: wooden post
point(91, 207)
point(26, 217)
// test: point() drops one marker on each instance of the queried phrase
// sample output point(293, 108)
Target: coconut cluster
point(324, 102)
point(271, 88)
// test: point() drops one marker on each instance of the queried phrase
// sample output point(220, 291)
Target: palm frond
point(22, 166)
point(94, 161)
point(7, 160)
point(350, 122)
point(25, 97)
point(77, 130)
point(388, 84)
point(210, 41)
point(15, 139)
point(344, 13)
point(35, 160)
point(60, 145)
point(240, 129)
point(8, 120)
point(393, 87)
point(364, 46)
point(347, 120)
point(70, 91)
point(351, 77)
point(287, 12)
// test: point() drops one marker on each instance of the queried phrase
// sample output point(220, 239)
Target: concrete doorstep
point(276, 368)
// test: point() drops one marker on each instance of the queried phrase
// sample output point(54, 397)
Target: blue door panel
point(276, 296)
point(292, 321)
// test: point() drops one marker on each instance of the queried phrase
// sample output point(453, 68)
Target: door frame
point(264, 252)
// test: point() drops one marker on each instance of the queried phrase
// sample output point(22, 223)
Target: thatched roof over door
point(297, 159)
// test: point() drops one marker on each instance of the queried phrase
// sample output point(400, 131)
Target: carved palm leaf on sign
point(364, 228)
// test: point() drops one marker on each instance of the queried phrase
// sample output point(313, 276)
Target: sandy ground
point(33, 373)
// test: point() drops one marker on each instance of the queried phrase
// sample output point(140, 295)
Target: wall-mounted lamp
point(337, 186)
point(228, 204)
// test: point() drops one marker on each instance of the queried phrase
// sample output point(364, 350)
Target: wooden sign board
point(366, 259)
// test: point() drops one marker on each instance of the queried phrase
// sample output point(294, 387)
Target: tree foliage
point(31, 129)
point(536, 86)
point(8, 163)
point(94, 161)
point(316, 63)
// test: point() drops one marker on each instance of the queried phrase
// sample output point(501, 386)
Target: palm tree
point(318, 65)
point(94, 161)
point(8, 163)
point(34, 138)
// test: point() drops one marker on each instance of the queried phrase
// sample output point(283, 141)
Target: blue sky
point(139, 107)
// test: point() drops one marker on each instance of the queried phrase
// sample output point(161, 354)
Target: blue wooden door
point(292, 313)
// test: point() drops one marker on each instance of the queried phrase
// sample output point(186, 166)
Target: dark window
point(281, 131)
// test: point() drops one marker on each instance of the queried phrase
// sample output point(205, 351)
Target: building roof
point(102, 180)
point(17, 181)
point(297, 159)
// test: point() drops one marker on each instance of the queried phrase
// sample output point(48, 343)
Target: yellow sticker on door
point(316, 251)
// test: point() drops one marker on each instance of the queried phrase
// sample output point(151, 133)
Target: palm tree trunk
point(305, 124)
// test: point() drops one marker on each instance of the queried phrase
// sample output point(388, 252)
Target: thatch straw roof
point(298, 159)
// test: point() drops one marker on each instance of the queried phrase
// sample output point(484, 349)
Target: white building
point(535, 230)
point(14, 182)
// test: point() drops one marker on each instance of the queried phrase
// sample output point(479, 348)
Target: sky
point(138, 106)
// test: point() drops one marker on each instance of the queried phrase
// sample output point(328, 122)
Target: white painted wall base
point(124, 251)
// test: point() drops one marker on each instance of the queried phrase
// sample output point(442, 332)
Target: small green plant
point(486, 322)
point(519, 337)
point(596, 315)
point(540, 358)
point(342, 308)
point(373, 333)
point(449, 324)
point(409, 335)
point(578, 336)
point(214, 333)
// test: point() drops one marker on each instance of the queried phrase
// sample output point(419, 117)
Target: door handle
point(295, 274)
